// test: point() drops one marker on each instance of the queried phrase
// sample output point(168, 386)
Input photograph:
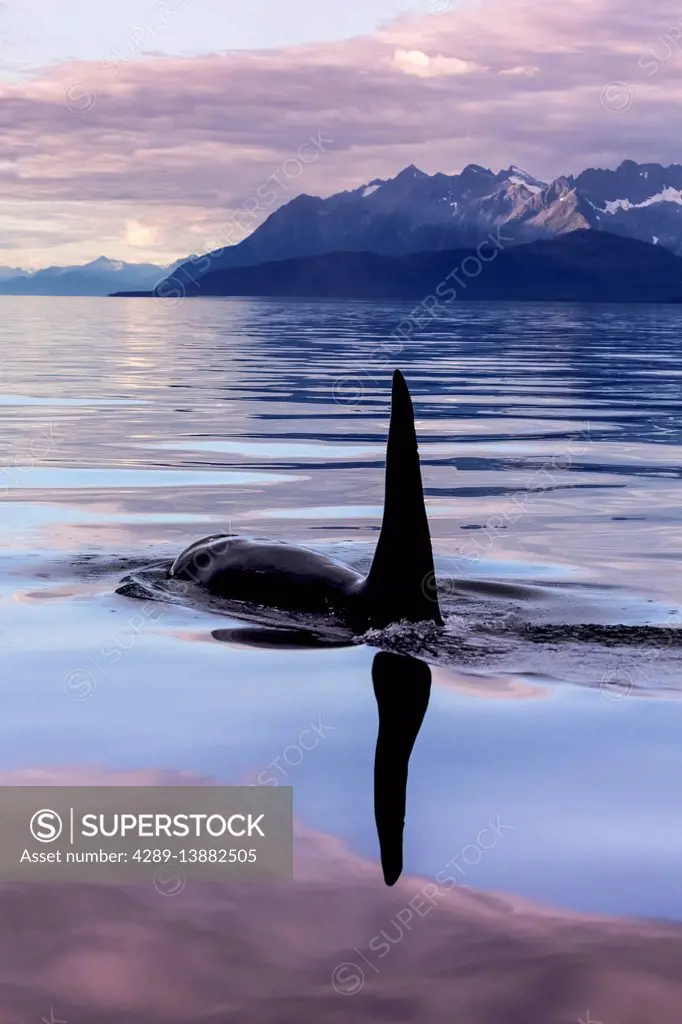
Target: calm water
point(550, 442)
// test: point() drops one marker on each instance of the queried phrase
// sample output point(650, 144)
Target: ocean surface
point(550, 442)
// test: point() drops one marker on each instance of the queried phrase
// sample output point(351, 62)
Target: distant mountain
point(9, 272)
point(580, 266)
point(415, 212)
point(100, 277)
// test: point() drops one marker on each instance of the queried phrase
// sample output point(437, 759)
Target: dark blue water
point(550, 441)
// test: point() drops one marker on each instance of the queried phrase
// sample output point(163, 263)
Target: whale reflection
point(402, 687)
point(276, 639)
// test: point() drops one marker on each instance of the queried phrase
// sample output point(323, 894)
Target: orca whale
point(400, 585)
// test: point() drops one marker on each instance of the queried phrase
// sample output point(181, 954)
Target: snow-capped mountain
point(638, 200)
point(413, 211)
point(99, 277)
point(416, 211)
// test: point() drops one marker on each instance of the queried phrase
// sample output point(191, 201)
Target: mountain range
point(416, 212)
point(99, 277)
point(582, 265)
point(410, 213)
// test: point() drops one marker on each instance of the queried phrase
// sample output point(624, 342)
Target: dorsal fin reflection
point(402, 686)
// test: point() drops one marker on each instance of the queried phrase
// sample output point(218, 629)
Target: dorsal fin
point(401, 583)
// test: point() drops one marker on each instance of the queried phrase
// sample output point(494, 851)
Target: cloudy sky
point(137, 128)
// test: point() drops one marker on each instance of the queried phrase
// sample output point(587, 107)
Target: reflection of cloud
point(96, 775)
point(53, 592)
point(266, 953)
point(502, 687)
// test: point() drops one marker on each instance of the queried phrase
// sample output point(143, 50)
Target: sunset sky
point(136, 129)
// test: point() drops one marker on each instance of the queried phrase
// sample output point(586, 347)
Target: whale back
point(401, 582)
